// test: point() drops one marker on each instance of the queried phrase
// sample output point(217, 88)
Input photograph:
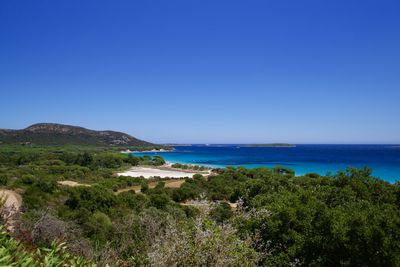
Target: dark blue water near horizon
point(383, 159)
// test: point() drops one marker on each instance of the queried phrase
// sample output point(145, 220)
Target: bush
point(144, 188)
point(84, 159)
point(158, 160)
point(92, 198)
point(43, 229)
point(137, 202)
point(3, 180)
point(99, 227)
point(160, 201)
point(283, 170)
point(221, 212)
point(134, 161)
point(13, 253)
point(204, 244)
point(27, 179)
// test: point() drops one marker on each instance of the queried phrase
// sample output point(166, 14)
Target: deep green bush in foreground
point(13, 253)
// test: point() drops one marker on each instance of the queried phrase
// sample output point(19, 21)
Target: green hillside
point(59, 134)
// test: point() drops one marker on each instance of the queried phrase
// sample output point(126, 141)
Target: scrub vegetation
point(235, 217)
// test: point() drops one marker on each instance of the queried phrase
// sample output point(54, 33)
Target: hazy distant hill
point(59, 134)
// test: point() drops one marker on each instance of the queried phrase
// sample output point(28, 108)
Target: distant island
point(269, 145)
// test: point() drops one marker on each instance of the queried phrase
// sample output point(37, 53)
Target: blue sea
point(383, 159)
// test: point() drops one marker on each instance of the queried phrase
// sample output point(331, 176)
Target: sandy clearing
point(168, 184)
point(233, 205)
point(71, 183)
point(135, 188)
point(174, 183)
point(163, 172)
point(12, 206)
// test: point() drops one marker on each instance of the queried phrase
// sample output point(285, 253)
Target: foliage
point(221, 212)
point(13, 253)
point(336, 221)
point(346, 219)
point(204, 244)
point(189, 167)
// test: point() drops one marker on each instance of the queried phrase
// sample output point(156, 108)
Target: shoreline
point(128, 151)
point(386, 172)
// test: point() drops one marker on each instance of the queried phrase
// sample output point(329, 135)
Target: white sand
point(12, 204)
point(148, 172)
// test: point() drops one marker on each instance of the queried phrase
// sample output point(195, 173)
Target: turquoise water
point(383, 159)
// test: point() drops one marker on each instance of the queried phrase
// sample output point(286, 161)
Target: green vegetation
point(189, 167)
point(347, 219)
point(13, 253)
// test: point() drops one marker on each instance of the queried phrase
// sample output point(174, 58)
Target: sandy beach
point(163, 172)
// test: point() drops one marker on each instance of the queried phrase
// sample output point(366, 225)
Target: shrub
point(204, 244)
point(13, 253)
point(144, 188)
point(137, 202)
point(221, 212)
point(92, 198)
point(27, 179)
point(99, 227)
point(3, 180)
point(160, 201)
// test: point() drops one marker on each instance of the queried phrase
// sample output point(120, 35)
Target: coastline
point(302, 159)
point(128, 151)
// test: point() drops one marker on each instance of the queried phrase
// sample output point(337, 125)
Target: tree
point(84, 159)
point(158, 160)
point(221, 212)
point(99, 227)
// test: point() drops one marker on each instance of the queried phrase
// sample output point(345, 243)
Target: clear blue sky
point(205, 71)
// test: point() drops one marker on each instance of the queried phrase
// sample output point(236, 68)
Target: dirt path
point(71, 183)
point(173, 183)
point(135, 188)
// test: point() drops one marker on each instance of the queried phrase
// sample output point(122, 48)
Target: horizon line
point(212, 144)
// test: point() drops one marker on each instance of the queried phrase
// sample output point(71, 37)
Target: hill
point(59, 134)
